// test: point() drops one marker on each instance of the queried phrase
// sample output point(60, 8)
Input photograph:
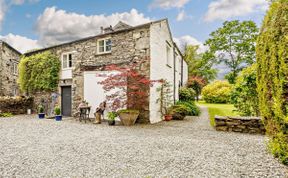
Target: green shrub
point(57, 111)
point(244, 94)
point(217, 92)
point(112, 115)
point(182, 109)
point(193, 108)
point(187, 94)
point(272, 74)
point(40, 109)
point(6, 114)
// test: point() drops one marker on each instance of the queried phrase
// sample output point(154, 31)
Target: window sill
point(66, 69)
point(102, 54)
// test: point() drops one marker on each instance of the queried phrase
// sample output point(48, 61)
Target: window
point(14, 91)
point(176, 62)
point(67, 61)
point(15, 68)
point(104, 46)
point(168, 57)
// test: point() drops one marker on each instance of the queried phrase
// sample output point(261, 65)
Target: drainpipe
point(182, 72)
point(1, 67)
point(174, 73)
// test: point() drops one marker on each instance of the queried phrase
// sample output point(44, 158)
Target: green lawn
point(219, 110)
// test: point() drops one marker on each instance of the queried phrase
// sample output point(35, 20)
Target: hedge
point(272, 77)
point(217, 92)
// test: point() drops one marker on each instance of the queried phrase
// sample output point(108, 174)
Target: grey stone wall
point(8, 80)
point(127, 46)
point(15, 105)
point(252, 125)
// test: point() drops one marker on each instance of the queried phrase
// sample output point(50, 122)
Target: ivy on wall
point(272, 77)
point(39, 72)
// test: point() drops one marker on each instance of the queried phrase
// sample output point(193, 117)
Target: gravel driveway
point(190, 148)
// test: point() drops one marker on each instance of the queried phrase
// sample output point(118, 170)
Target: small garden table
point(84, 113)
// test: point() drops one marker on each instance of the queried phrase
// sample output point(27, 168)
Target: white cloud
point(20, 43)
point(189, 40)
point(168, 4)
point(181, 16)
point(56, 26)
point(224, 9)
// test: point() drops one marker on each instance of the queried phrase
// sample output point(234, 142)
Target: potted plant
point(41, 114)
point(57, 112)
point(167, 115)
point(128, 116)
point(111, 117)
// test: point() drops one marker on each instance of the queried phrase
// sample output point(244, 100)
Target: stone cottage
point(83, 60)
point(9, 59)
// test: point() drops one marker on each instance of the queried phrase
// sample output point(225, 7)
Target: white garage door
point(93, 92)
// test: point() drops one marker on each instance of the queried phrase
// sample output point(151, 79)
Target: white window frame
point(168, 55)
point(15, 68)
point(176, 62)
point(14, 91)
point(62, 61)
point(105, 51)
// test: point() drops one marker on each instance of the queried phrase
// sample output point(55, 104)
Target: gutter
point(174, 73)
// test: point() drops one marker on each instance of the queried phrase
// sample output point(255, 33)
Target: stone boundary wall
point(15, 105)
point(252, 125)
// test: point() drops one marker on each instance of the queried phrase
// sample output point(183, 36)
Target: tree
point(272, 77)
point(199, 68)
point(244, 95)
point(234, 45)
point(196, 83)
point(126, 87)
point(199, 65)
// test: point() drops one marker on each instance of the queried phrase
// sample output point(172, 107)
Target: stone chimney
point(106, 30)
point(101, 30)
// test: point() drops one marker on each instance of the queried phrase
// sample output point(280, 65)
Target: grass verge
point(219, 110)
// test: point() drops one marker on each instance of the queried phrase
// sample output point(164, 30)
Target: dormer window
point(104, 45)
point(67, 61)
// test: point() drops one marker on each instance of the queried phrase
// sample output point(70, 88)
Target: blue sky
point(27, 24)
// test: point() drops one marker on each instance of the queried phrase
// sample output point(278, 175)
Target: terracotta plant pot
point(168, 117)
point(128, 118)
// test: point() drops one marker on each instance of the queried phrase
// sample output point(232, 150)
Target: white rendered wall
point(94, 93)
point(159, 36)
point(66, 74)
point(185, 73)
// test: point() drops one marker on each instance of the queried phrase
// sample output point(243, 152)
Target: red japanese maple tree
point(128, 87)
